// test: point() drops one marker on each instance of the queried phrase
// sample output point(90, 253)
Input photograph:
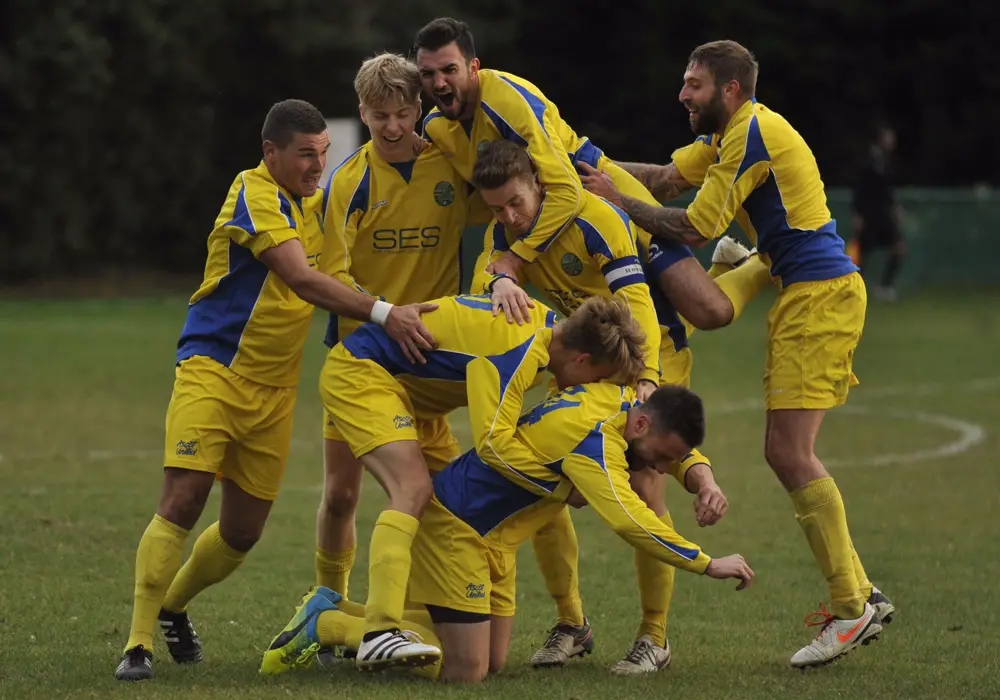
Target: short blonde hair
point(387, 78)
point(605, 328)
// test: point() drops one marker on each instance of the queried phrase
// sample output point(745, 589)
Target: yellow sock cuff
point(815, 494)
point(337, 561)
point(406, 524)
point(213, 538)
point(167, 527)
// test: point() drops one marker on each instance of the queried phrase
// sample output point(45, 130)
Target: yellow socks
point(156, 563)
point(744, 283)
point(864, 585)
point(656, 590)
point(333, 569)
point(557, 552)
point(211, 561)
point(389, 569)
point(820, 512)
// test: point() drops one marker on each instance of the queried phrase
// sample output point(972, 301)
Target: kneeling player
point(370, 390)
point(578, 445)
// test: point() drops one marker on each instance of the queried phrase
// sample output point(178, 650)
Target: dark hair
point(674, 409)
point(441, 32)
point(290, 117)
point(726, 60)
point(499, 162)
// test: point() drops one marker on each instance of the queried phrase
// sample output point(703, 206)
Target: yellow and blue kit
point(374, 394)
point(240, 353)
point(463, 555)
point(766, 177)
point(510, 108)
point(595, 256)
point(393, 230)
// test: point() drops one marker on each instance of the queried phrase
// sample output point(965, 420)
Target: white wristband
point(380, 312)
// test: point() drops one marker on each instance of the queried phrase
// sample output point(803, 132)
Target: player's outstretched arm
point(710, 503)
point(503, 289)
point(664, 182)
point(288, 261)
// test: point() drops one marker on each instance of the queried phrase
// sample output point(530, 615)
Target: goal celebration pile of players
point(378, 246)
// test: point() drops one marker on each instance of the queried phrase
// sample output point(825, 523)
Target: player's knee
point(340, 501)
point(474, 670)
point(713, 312)
point(787, 460)
point(411, 493)
point(185, 492)
point(242, 537)
point(498, 660)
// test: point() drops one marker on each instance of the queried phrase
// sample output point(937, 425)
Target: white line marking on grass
point(970, 434)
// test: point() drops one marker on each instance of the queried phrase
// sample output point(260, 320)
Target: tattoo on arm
point(670, 223)
point(663, 181)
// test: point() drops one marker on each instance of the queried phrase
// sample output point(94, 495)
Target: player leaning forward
point(763, 174)
point(238, 363)
point(485, 504)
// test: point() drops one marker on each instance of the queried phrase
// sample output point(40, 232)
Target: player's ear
point(361, 111)
point(474, 66)
point(269, 148)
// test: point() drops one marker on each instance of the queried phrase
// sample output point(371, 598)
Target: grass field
point(84, 386)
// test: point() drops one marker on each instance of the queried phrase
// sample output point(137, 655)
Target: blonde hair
point(605, 329)
point(387, 78)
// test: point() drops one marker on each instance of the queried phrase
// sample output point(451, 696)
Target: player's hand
point(733, 566)
point(710, 505)
point(644, 390)
point(599, 183)
point(514, 301)
point(419, 145)
point(405, 327)
point(575, 499)
point(508, 264)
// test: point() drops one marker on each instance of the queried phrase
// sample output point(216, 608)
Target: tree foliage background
point(123, 122)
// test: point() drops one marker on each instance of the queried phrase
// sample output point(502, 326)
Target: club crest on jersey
point(572, 265)
point(444, 193)
point(481, 147)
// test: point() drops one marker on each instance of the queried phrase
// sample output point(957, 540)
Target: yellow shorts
point(453, 568)
point(366, 404)
point(439, 445)
point(813, 329)
point(223, 423)
point(675, 365)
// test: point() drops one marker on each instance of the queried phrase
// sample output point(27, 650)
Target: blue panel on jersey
point(554, 404)
point(286, 209)
point(479, 495)
point(593, 239)
point(592, 447)
point(215, 323)
point(482, 302)
point(370, 342)
point(587, 153)
point(537, 106)
point(508, 363)
point(505, 129)
point(332, 336)
point(555, 467)
point(755, 151)
point(796, 255)
point(359, 202)
point(623, 272)
point(427, 120)
point(404, 169)
point(500, 237)
point(550, 319)
point(241, 213)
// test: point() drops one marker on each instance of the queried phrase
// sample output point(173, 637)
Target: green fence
point(948, 234)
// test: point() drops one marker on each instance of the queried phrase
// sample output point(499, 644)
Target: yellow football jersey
point(511, 108)
point(767, 178)
point(496, 360)
point(243, 316)
point(595, 256)
point(393, 230)
point(576, 438)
